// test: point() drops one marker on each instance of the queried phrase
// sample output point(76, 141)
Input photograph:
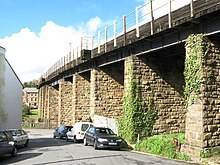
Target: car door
point(90, 135)
point(24, 136)
point(19, 137)
point(5, 147)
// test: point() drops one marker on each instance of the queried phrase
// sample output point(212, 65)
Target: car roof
point(102, 127)
point(83, 122)
point(12, 129)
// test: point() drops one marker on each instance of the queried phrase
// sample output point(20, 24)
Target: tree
point(32, 84)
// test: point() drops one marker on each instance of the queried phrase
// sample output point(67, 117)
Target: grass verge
point(162, 145)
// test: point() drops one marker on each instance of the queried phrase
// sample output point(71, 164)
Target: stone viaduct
point(95, 83)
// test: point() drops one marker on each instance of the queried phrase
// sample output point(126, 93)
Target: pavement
point(214, 160)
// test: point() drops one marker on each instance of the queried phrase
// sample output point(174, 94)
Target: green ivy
point(136, 119)
point(197, 47)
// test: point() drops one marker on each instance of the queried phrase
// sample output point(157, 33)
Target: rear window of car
point(68, 127)
point(84, 127)
point(104, 131)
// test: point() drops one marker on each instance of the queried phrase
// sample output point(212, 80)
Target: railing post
point(137, 23)
point(152, 18)
point(77, 55)
point(115, 44)
point(124, 28)
point(81, 43)
point(106, 38)
point(169, 14)
point(81, 47)
point(191, 8)
point(98, 41)
point(92, 47)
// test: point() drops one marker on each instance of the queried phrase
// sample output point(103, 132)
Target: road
point(44, 150)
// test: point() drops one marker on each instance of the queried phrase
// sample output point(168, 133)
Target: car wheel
point(95, 145)
point(14, 152)
point(54, 136)
point(74, 139)
point(60, 137)
point(26, 143)
point(85, 142)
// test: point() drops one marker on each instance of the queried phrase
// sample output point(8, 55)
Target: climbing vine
point(137, 117)
point(197, 47)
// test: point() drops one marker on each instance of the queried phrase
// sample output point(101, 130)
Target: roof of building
point(31, 90)
point(3, 49)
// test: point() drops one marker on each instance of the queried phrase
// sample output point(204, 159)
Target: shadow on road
point(36, 148)
point(7, 159)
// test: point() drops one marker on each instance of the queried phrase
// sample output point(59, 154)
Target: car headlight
point(102, 140)
point(119, 140)
point(11, 143)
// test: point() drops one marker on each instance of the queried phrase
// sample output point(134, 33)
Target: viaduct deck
point(153, 36)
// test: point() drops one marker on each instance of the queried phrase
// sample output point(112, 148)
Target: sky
point(37, 33)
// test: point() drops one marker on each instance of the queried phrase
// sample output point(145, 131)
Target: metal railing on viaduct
point(146, 46)
point(156, 24)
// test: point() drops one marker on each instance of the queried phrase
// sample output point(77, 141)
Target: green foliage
point(31, 84)
point(26, 110)
point(207, 154)
point(197, 47)
point(162, 145)
point(136, 119)
point(29, 114)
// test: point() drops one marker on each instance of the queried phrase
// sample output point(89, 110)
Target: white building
point(10, 95)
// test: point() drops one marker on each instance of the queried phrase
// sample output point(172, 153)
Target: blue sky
point(37, 33)
point(17, 14)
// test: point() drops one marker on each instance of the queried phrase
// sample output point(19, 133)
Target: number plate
point(112, 144)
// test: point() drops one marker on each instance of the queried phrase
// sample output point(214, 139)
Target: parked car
point(78, 131)
point(101, 137)
point(7, 144)
point(20, 136)
point(61, 131)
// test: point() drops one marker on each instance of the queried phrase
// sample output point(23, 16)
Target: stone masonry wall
point(41, 102)
point(45, 106)
point(211, 103)
point(164, 85)
point(81, 97)
point(65, 111)
point(106, 94)
point(53, 107)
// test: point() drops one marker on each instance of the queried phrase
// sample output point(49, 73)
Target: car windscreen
point(104, 131)
point(13, 132)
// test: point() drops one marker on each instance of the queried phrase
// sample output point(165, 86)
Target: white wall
point(10, 96)
point(13, 96)
point(3, 114)
point(101, 121)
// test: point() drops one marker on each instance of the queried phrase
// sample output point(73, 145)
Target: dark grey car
point(101, 137)
point(7, 144)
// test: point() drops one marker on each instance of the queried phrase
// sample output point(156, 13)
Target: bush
point(26, 110)
point(162, 145)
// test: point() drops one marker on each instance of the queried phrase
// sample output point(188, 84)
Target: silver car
point(20, 136)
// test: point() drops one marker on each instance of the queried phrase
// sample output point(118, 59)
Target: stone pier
point(81, 97)
point(107, 91)
point(203, 115)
